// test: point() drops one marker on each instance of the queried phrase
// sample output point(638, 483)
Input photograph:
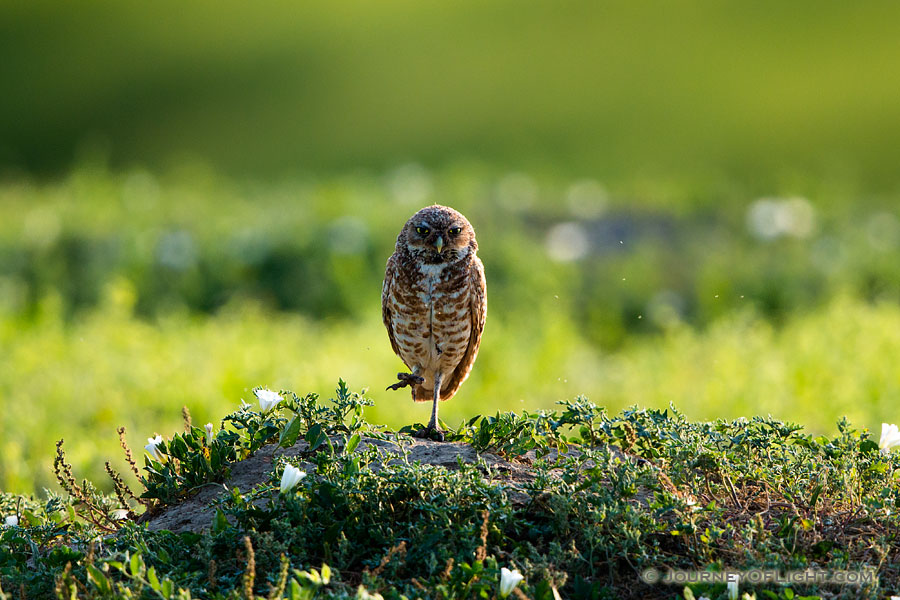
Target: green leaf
point(137, 565)
point(351, 467)
point(312, 576)
point(822, 548)
point(98, 579)
point(116, 565)
point(178, 447)
point(352, 443)
point(868, 446)
point(814, 497)
point(220, 523)
point(315, 437)
point(153, 579)
point(290, 433)
point(295, 592)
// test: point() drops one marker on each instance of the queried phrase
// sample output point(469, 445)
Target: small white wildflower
point(119, 514)
point(291, 477)
point(508, 581)
point(890, 437)
point(267, 399)
point(11, 521)
point(363, 594)
point(152, 447)
point(244, 404)
point(209, 436)
point(703, 598)
point(733, 585)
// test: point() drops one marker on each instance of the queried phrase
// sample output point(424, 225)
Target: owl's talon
point(430, 433)
point(406, 379)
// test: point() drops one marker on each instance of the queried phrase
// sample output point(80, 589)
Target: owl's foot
point(430, 433)
point(406, 379)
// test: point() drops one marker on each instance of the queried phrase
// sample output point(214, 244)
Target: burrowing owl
point(434, 304)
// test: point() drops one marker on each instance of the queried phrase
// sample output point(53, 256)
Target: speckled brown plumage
point(434, 303)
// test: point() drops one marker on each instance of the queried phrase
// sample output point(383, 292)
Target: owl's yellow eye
point(455, 230)
point(422, 230)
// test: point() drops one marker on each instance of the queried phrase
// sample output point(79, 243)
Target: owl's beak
point(439, 244)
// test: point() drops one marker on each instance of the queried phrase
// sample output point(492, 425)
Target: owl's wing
point(386, 292)
point(477, 316)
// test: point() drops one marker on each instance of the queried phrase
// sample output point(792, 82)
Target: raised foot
point(406, 379)
point(430, 433)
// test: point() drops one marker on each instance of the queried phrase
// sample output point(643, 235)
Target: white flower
point(508, 581)
point(363, 594)
point(291, 477)
point(209, 436)
point(733, 581)
point(890, 437)
point(119, 514)
point(703, 598)
point(152, 447)
point(267, 399)
point(11, 521)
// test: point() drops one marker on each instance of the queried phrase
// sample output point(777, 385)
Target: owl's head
point(438, 234)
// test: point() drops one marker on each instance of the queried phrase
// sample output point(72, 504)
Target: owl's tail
point(422, 394)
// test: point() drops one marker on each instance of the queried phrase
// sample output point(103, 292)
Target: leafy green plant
point(596, 500)
point(188, 460)
point(177, 467)
point(343, 416)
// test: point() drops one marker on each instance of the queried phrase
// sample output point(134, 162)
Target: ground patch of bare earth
point(196, 513)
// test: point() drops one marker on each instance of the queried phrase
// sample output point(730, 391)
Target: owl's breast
point(432, 321)
point(449, 321)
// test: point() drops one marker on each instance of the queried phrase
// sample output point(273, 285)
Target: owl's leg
point(407, 379)
point(433, 431)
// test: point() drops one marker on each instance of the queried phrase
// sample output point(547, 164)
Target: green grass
point(124, 296)
point(80, 380)
point(195, 240)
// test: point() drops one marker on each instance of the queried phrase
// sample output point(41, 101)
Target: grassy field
point(127, 296)
point(80, 381)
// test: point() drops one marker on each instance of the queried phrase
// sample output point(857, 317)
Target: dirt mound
point(196, 513)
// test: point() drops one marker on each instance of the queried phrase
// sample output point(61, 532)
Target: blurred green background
point(687, 202)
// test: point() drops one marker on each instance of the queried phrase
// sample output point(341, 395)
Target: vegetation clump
point(581, 504)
